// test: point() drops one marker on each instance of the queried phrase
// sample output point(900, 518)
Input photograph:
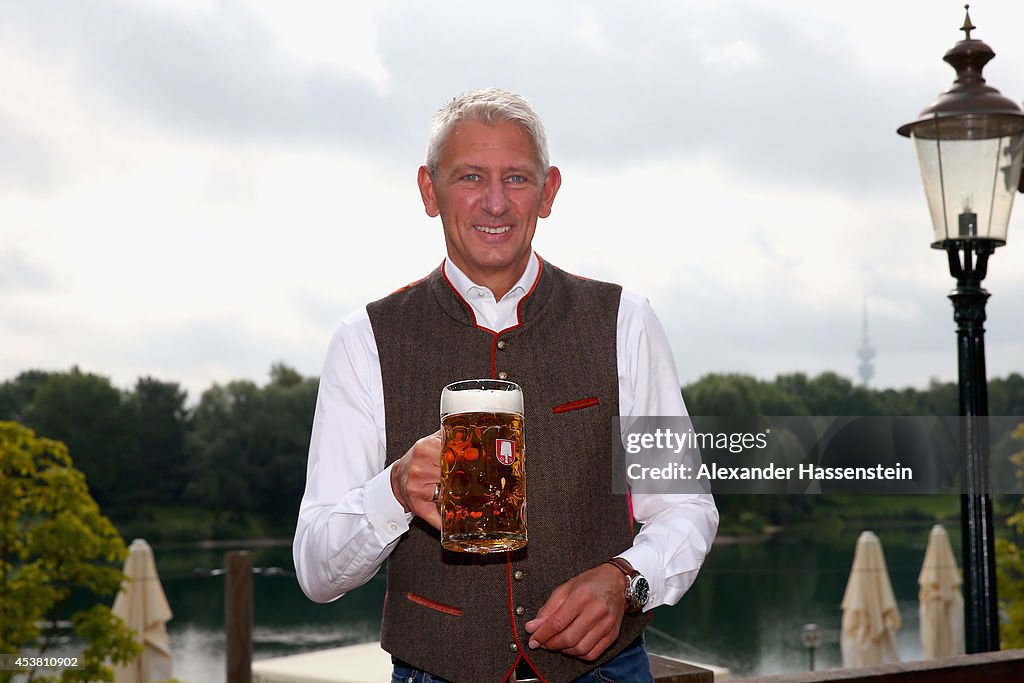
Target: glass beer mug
point(483, 467)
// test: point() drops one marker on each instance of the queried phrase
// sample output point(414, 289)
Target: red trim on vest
point(409, 286)
point(580, 277)
point(578, 404)
point(439, 606)
point(515, 627)
point(508, 674)
point(462, 299)
point(519, 306)
point(519, 317)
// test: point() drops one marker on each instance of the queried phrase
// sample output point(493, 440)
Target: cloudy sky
point(196, 189)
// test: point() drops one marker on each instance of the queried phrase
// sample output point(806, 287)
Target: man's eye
point(471, 177)
point(516, 179)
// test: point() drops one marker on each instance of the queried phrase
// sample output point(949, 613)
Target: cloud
point(749, 85)
point(20, 273)
point(222, 72)
point(30, 162)
point(197, 189)
point(654, 94)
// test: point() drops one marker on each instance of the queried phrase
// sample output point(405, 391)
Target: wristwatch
point(637, 589)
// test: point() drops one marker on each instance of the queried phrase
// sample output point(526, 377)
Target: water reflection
point(745, 612)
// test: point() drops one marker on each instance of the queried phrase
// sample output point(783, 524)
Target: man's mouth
point(493, 230)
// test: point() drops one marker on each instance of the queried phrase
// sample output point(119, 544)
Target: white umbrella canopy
point(942, 604)
point(870, 616)
point(142, 605)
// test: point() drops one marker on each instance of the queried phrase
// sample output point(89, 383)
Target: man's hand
point(583, 615)
point(414, 478)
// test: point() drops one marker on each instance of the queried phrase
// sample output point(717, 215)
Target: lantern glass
point(970, 183)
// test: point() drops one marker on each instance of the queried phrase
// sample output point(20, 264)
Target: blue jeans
point(629, 666)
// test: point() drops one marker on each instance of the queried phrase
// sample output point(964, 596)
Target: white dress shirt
point(349, 519)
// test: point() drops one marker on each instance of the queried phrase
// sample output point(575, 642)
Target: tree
point(87, 413)
point(53, 541)
point(17, 394)
point(247, 447)
point(159, 421)
point(723, 395)
point(290, 400)
point(222, 447)
point(1010, 567)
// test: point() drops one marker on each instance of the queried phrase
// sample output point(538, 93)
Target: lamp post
point(969, 144)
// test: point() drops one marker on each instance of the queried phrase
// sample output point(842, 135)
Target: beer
point(483, 476)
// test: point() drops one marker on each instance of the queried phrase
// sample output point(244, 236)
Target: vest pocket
point(434, 605)
point(578, 404)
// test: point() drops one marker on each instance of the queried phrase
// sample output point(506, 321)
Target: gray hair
point(490, 106)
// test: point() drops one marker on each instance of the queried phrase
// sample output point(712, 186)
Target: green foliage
point(86, 412)
point(53, 541)
point(247, 449)
point(829, 394)
point(1010, 567)
point(119, 438)
point(237, 459)
point(17, 394)
point(158, 422)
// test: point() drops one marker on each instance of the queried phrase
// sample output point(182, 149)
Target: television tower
point(866, 369)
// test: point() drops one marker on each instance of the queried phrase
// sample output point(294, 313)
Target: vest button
point(502, 375)
point(502, 344)
point(520, 611)
point(512, 647)
point(518, 575)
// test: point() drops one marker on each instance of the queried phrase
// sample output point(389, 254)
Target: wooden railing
point(666, 670)
point(1006, 666)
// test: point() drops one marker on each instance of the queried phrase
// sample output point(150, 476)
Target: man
point(572, 604)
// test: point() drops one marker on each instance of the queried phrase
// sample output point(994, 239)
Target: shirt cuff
point(645, 560)
point(385, 514)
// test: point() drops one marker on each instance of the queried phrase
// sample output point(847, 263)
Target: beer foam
point(481, 400)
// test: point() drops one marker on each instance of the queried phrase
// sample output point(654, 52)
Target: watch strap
point(623, 566)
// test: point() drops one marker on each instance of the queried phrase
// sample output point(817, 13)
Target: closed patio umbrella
point(870, 616)
point(142, 605)
point(942, 605)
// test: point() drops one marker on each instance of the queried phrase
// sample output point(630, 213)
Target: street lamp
point(969, 143)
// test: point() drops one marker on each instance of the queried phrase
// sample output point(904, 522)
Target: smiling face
point(489, 190)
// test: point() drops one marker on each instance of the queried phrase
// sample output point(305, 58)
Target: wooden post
point(238, 616)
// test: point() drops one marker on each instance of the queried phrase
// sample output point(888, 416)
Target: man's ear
point(552, 181)
point(426, 184)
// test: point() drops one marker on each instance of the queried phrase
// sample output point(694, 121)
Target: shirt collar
point(471, 291)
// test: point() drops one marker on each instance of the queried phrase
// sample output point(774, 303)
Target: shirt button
point(518, 575)
point(481, 293)
point(502, 344)
point(392, 526)
point(520, 610)
point(512, 647)
point(502, 375)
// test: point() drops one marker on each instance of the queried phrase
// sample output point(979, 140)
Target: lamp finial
point(968, 26)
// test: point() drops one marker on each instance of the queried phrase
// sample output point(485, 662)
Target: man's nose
point(496, 198)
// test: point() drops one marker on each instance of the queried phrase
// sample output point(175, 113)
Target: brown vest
point(461, 617)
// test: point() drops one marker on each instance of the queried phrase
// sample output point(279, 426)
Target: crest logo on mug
point(506, 451)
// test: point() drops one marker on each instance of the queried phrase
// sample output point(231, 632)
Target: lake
point(745, 612)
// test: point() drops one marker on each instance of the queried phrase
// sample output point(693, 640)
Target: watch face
point(638, 592)
point(643, 591)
